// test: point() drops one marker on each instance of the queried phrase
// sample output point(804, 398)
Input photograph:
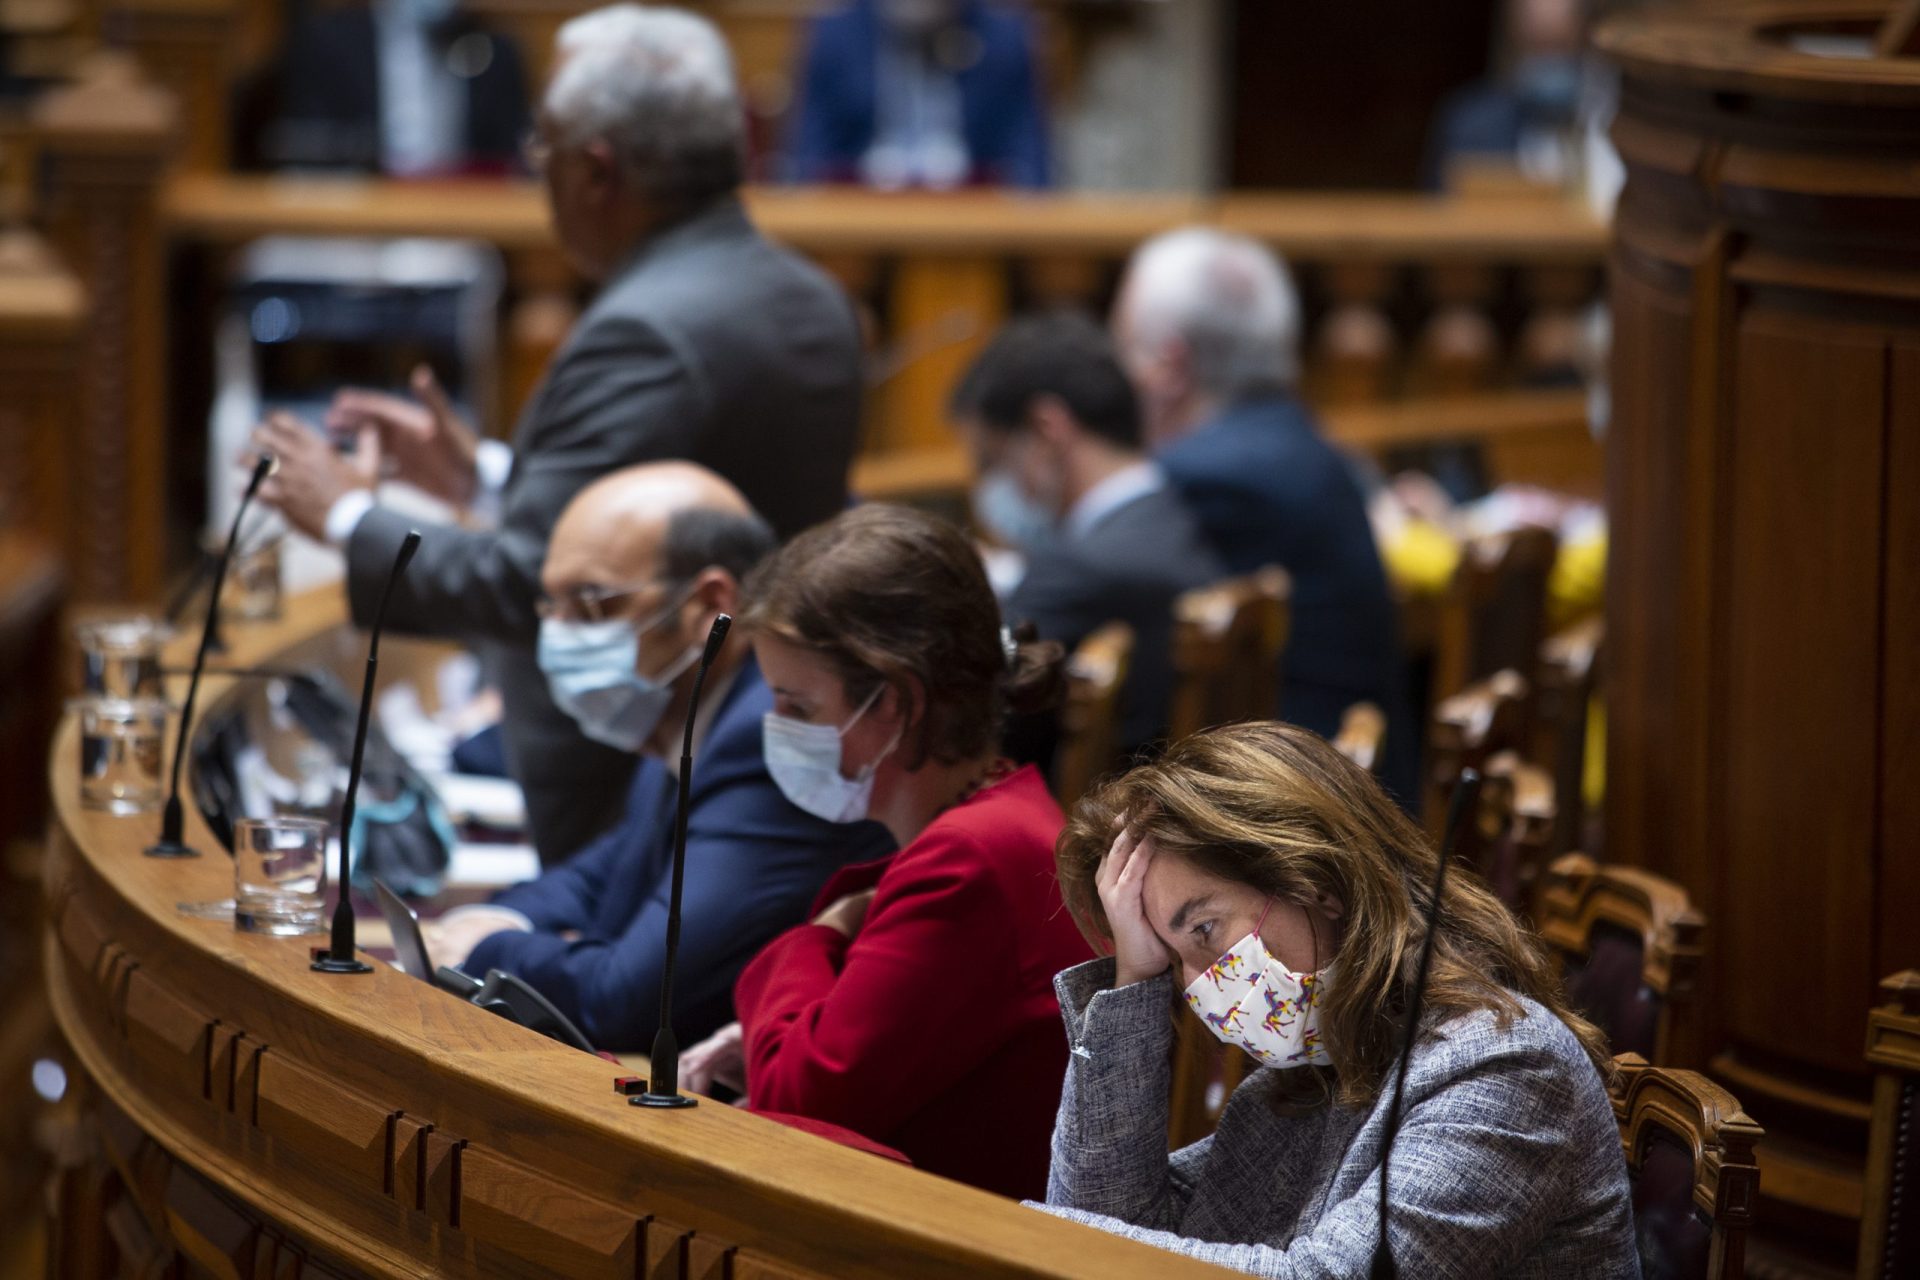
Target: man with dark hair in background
point(640, 564)
point(1055, 429)
point(706, 343)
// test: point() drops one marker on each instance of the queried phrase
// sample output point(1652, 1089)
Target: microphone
point(339, 957)
point(172, 842)
point(663, 1085)
point(1464, 797)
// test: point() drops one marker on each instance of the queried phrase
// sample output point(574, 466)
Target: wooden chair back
point(1507, 840)
point(1469, 728)
point(1689, 1150)
point(1227, 641)
point(1890, 1220)
point(1363, 730)
point(1089, 742)
point(1565, 682)
point(1631, 946)
point(1494, 616)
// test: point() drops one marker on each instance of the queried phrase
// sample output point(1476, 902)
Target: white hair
point(658, 85)
point(1227, 299)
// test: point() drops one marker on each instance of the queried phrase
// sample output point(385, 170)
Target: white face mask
point(1250, 1000)
point(590, 672)
point(804, 761)
point(1005, 511)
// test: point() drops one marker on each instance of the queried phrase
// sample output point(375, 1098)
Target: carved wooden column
point(1458, 350)
point(187, 47)
point(42, 322)
point(104, 142)
point(1763, 600)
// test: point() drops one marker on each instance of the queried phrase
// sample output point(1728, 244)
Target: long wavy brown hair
point(1275, 807)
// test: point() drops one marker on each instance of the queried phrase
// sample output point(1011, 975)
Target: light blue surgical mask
point(804, 761)
point(1005, 511)
point(591, 671)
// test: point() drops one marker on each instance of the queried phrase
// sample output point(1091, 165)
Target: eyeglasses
point(597, 603)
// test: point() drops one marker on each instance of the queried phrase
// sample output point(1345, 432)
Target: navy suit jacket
point(754, 864)
point(1267, 488)
point(1003, 112)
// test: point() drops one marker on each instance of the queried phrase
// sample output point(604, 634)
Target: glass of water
point(253, 581)
point(279, 874)
point(120, 657)
point(121, 742)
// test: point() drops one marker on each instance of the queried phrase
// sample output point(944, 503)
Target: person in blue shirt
point(638, 567)
point(920, 93)
point(1207, 324)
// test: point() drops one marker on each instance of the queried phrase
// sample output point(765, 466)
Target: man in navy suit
point(639, 565)
point(1208, 327)
point(920, 93)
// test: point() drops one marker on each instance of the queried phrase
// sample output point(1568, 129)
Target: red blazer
point(935, 1030)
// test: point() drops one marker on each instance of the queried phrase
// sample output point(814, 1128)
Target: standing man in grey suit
point(705, 343)
point(1055, 429)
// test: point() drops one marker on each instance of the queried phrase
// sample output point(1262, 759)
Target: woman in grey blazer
point(1257, 873)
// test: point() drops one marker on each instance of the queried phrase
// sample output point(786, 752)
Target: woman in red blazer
point(917, 1009)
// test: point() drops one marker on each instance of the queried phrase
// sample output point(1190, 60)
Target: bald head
point(620, 529)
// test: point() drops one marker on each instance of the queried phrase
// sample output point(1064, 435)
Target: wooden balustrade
point(1404, 294)
point(104, 142)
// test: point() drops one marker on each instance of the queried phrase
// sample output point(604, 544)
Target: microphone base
point(331, 964)
point(663, 1100)
point(171, 849)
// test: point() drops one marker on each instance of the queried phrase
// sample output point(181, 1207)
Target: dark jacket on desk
point(754, 862)
point(1267, 488)
point(712, 345)
point(1127, 566)
point(1002, 107)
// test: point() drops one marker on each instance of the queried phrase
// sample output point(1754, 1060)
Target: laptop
point(410, 945)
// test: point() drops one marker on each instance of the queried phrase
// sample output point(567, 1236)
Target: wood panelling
point(1762, 597)
point(167, 1036)
point(1804, 508)
point(548, 1225)
point(312, 1118)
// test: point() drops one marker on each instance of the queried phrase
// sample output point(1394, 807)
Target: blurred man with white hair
point(706, 343)
point(1208, 326)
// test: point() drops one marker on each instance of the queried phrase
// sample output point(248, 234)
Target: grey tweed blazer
point(1508, 1161)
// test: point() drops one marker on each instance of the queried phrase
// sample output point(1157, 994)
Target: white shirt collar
point(1129, 483)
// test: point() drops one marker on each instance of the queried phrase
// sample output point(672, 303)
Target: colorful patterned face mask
point(1250, 1000)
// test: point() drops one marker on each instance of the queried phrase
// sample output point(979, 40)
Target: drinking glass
point(253, 581)
point(120, 657)
point(121, 741)
point(279, 874)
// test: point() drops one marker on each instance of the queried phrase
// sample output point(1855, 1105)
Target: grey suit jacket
point(1508, 1161)
point(712, 345)
point(1127, 567)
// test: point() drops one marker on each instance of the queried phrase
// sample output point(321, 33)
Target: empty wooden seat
point(1689, 1150)
point(1631, 945)
point(1494, 616)
point(1565, 683)
point(1089, 743)
point(1362, 731)
point(1890, 1221)
point(1468, 729)
point(1227, 641)
point(1507, 840)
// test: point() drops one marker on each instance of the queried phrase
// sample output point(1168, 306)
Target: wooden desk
point(263, 1120)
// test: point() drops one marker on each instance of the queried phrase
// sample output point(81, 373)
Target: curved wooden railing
point(265, 1120)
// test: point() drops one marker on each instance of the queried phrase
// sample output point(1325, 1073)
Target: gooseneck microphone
point(172, 842)
point(339, 957)
point(1465, 794)
point(663, 1084)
